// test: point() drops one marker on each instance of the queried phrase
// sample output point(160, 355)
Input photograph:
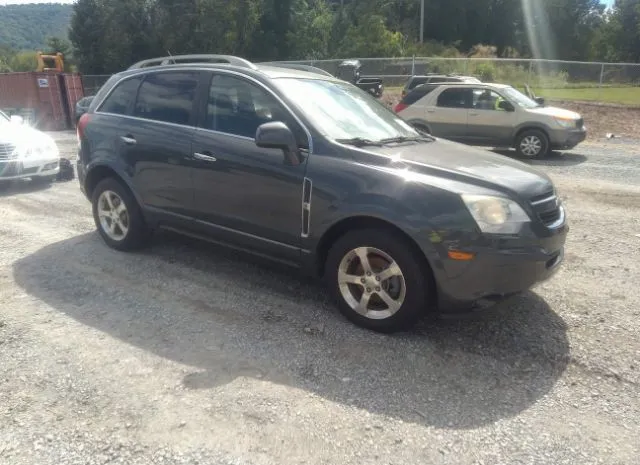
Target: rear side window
point(456, 98)
point(119, 101)
point(167, 97)
point(416, 94)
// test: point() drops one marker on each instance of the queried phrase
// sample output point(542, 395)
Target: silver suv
point(494, 115)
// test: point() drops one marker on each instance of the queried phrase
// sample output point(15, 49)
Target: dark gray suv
point(311, 171)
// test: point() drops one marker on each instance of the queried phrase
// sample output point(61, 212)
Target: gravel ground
point(186, 353)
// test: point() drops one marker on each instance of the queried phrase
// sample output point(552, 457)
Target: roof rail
point(203, 58)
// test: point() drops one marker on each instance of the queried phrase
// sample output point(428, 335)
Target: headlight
point(496, 215)
point(566, 123)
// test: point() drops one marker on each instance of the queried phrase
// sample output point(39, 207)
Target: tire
point(529, 139)
point(415, 276)
point(130, 232)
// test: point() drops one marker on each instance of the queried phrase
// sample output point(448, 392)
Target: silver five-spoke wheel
point(371, 282)
point(113, 215)
point(531, 146)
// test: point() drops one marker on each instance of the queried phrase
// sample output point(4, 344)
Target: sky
point(11, 2)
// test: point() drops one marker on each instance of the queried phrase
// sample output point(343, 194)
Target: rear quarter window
point(122, 97)
point(416, 94)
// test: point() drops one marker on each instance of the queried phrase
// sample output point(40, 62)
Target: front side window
point(455, 98)
point(119, 100)
point(485, 99)
point(167, 97)
point(238, 107)
point(342, 111)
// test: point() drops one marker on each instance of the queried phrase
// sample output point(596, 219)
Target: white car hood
point(22, 135)
point(556, 112)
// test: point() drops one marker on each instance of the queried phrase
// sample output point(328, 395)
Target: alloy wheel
point(113, 215)
point(371, 282)
point(530, 146)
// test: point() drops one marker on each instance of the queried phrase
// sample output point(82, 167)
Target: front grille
point(7, 151)
point(547, 207)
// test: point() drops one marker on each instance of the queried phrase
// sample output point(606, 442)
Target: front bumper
point(500, 271)
point(26, 168)
point(567, 139)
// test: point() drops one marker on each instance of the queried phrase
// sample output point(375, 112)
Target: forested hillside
point(27, 27)
point(108, 35)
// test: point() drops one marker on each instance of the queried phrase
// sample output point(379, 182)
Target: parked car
point(349, 70)
point(415, 81)
point(26, 152)
point(494, 115)
point(82, 106)
point(311, 171)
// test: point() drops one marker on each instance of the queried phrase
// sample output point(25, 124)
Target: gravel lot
point(186, 353)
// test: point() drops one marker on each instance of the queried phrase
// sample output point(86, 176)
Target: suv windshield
point(342, 111)
point(515, 96)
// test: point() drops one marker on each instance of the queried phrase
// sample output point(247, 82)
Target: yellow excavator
point(50, 62)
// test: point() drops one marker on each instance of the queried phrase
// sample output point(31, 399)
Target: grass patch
point(619, 95)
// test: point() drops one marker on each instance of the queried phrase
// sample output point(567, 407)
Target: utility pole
point(421, 21)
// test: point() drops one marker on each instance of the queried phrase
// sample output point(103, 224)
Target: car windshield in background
point(519, 98)
point(342, 111)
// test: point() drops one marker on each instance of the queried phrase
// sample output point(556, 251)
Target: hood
point(21, 135)
point(555, 112)
point(469, 165)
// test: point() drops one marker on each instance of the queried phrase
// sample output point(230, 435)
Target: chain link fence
point(560, 80)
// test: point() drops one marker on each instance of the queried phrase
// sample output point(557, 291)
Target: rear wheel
point(118, 217)
point(377, 281)
point(532, 143)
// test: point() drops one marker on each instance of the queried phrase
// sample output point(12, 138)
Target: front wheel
point(532, 144)
point(377, 280)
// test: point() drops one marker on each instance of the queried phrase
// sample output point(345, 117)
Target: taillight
point(82, 124)
point(399, 107)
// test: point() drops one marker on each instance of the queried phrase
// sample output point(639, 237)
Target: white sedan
point(26, 152)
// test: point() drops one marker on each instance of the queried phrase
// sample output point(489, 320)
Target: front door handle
point(204, 157)
point(473, 114)
point(128, 140)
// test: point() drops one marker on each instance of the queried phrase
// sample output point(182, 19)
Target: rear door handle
point(128, 140)
point(204, 157)
point(473, 114)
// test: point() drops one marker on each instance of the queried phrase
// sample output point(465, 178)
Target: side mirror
point(540, 100)
point(17, 119)
point(276, 135)
point(506, 106)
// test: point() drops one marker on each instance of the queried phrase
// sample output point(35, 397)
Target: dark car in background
point(311, 171)
point(415, 81)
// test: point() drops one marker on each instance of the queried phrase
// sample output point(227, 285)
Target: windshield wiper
point(400, 139)
point(359, 142)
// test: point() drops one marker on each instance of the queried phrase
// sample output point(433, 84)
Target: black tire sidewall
point(138, 230)
point(544, 151)
point(416, 274)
